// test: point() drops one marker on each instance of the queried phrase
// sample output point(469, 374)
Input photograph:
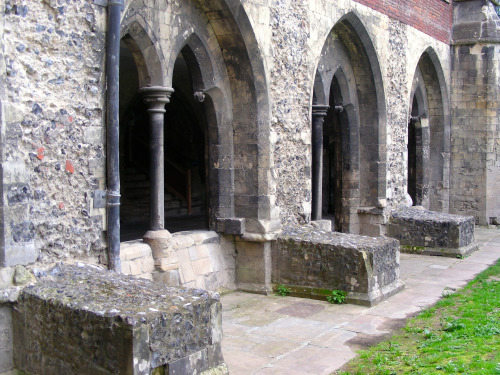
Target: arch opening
point(348, 74)
point(337, 160)
point(428, 137)
point(185, 144)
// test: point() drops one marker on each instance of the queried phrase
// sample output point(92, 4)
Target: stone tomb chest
point(432, 233)
point(82, 320)
point(313, 262)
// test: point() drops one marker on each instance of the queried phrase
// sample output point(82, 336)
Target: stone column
point(155, 98)
point(318, 116)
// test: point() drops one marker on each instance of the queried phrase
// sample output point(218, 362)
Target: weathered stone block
point(134, 250)
point(231, 226)
point(6, 348)
point(82, 320)
point(432, 233)
point(160, 242)
point(167, 264)
point(253, 266)
point(314, 262)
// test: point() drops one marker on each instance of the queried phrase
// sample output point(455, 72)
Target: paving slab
point(316, 360)
point(273, 335)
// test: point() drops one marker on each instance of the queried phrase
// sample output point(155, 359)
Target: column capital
point(155, 97)
point(319, 110)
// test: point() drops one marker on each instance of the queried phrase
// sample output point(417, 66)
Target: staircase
point(136, 198)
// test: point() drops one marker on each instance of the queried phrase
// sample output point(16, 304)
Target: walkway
point(294, 336)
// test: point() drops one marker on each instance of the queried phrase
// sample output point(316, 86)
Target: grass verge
point(459, 335)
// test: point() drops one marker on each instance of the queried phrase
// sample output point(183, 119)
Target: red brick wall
point(433, 17)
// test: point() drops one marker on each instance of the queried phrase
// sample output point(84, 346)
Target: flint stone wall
point(421, 230)
point(82, 320)
point(313, 262)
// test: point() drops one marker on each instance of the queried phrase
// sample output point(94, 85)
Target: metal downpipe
point(113, 131)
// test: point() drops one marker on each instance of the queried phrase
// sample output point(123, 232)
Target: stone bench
point(432, 233)
point(313, 262)
point(82, 320)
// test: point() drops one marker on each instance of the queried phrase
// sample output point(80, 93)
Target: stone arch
point(429, 77)
point(140, 66)
point(147, 56)
point(208, 86)
point(224, 31)
point(348, 47)
point(418, 144)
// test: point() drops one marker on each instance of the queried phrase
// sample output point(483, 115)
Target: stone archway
point(242, 153)
point(418, 145)
point(223, 59)
point(348, 78)
point(136, 71)
point(430, 121)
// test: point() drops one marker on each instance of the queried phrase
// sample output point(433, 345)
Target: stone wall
point(257, 64)
point(195, 259)
point(475, 111)
point(190, 259)
point(52, 151)
point(382, 38)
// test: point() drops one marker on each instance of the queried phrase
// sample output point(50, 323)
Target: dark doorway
point(185, 153)
point(412, 153)
point(186, 150)
point(333, 159)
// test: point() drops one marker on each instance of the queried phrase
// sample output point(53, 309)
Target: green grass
point(459, 335)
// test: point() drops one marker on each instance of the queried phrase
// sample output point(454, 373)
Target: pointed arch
point(208, 83)
point(147, 56)
point(218, 42)
point(348, 55)
point(430, 81)
point(418, 139)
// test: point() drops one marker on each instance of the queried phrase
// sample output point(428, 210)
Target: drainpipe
point(113, 130)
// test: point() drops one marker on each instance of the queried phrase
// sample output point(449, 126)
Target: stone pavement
point(293, 336)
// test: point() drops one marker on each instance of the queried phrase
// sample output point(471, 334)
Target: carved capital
point(155, 97)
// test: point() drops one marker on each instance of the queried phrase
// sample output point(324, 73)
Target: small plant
point(337, 297)
point(282, 291)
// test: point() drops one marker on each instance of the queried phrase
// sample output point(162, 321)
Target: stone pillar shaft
point(155, 98)
point(318, 116)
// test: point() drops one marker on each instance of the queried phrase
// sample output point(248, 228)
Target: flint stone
point(21, 275)
point(82, 320)
point(432, 233)
point(313, 262)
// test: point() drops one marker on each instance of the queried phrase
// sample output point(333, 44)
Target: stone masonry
point(258, 62)
point(79, 319)
point(191, 259)
point(253, 69)
point(427, 232)
point(313, 262)
point(475, 105)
